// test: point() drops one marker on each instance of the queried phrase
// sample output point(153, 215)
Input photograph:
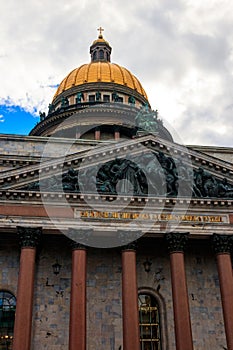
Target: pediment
point(144, 166)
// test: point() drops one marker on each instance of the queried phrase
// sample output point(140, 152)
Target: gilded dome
point(100, 71)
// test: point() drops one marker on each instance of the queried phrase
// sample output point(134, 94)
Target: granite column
point(29, 238)
point(183, 333)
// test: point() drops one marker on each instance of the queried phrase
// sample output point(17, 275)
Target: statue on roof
point(147, 120)
point(79, 97)
point(42, 116)
point(131, 100)
point(64, 102)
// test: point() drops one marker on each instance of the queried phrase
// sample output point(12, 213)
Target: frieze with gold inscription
point(105, 215)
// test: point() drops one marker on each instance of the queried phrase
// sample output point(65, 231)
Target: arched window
point(149, 322)
point(101, 54)
point(7, 319)
point(94, 56)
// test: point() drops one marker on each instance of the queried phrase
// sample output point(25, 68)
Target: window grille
point(149, 323)
point(7, 318)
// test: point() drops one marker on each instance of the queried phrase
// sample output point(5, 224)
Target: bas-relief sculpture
point(153, 174)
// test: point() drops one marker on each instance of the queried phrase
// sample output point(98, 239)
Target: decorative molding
point(176, 241)
point(222, 243)
point(29, 236)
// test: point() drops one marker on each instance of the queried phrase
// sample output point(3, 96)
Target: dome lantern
point(100, 49)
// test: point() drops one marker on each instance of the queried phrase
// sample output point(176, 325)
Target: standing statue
point(42, 116)
point(64, 102)
point(98, 96)
point(131, 100)
point(79, 97)
point(51, 108)
point(115, 96)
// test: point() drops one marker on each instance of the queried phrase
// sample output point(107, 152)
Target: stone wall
point(32, 146)
point(104, 310)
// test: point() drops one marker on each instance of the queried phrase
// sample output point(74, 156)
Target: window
point(149, 322)
point(91, 98)
point(106, 98)
point(7, 319)
point(95, 56)
point(101, 54)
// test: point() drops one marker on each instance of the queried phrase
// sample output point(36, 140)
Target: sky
point(180, 50)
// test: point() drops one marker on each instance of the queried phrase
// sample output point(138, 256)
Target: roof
point(100, 71)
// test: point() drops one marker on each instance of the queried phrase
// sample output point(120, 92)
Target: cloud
point(1, 118)
point(182, 52)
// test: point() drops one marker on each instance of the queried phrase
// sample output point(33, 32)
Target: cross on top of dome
point(100, 50)
point(100, 29)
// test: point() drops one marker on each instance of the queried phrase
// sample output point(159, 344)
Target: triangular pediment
point(167, 165)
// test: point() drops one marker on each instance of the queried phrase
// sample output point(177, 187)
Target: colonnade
point(97, 134)
point(176, 242)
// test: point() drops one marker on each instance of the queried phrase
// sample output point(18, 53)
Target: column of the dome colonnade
point(77, 329)
point(77, 134)
point(116, 133)
point(29, 239)
point(176, 244)
point(131, 337)
point(222, 246)
point(97, 134)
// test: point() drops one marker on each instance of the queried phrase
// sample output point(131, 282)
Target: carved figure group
point(153, 173)
point(206, 185)
point(121, 176)
point(147, 120)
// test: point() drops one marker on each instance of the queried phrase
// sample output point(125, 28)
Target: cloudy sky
point(181, 51)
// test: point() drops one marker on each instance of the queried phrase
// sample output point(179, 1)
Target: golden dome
point(100, 72)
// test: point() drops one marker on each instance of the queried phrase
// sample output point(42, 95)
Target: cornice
point(85, 109)
point(57, 198)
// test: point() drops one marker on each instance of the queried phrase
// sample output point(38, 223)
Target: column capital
point(130, 246)
point(77, 246)
point(176, 241)
point(222, 243)
point(29, 236)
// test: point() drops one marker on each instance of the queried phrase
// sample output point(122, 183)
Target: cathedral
point(112, 235)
